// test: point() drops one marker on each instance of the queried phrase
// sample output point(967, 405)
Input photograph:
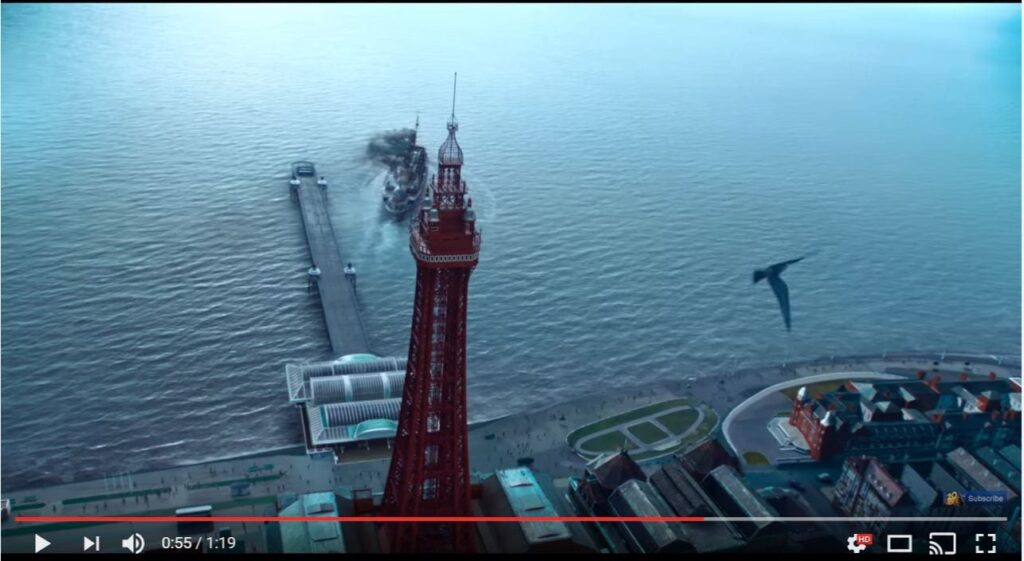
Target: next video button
point(985, 497)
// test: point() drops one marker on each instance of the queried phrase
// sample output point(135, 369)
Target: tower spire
point(455, 85)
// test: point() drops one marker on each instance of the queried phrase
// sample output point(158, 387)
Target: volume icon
point(134, 543)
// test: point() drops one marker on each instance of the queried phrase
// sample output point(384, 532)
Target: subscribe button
point(985, 497)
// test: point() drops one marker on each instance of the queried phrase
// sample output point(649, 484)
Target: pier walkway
point(337, 296)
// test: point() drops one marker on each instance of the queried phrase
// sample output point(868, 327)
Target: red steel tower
point(429, 473)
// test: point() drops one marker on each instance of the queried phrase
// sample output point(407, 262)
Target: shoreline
point(672, 384)
point(536, 438)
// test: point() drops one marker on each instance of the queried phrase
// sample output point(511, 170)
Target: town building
point(519, 492)
point(307, 537)
point(866, 489)
point(349, 404)
point(735, 498)
point(935, 490)
point(975, 476)
point(706, 456)
point(685, 497)
point(904, 420)
point(614, 485)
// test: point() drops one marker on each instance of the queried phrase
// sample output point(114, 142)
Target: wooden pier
point(337, 295)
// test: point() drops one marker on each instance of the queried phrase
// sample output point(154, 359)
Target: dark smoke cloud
point(391, 148)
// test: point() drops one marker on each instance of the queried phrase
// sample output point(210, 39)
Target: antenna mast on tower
point(455, 84)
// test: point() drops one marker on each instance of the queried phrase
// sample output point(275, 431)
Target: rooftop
point(879, 404)
point(334, 423)
point(1006, 471)
point(684, 495)
point(524, 494)
point(299, 374)
point(742, 496)
point(1011, 453)
point(638, 498)
point(612, 470)
point(883, 482)
point(943, 481)
point(312, 537)
point(977, 471)
point(920, 491)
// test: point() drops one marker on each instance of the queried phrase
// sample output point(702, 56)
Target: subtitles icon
point(899, 543)
point(942, 543)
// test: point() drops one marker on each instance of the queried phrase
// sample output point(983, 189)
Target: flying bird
point(778, 285)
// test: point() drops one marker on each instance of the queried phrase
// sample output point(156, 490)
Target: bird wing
point(759, 274)
point(785, 264)
point(777, 268)
point(782, 293)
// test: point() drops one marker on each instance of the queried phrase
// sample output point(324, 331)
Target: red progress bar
point(359, 519)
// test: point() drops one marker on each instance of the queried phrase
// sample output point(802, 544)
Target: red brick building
point(904, 419)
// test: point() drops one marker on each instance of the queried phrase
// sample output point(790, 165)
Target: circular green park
point(647, 432)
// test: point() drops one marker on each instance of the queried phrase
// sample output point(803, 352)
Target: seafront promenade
point(540, 435)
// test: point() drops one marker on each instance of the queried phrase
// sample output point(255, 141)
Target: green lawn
point(624, 418)
point(647, 432)
point(814, 389)
point(756, 459)
point(678, 421)
point(609, 442)
point(703, 431)
point(705, 428)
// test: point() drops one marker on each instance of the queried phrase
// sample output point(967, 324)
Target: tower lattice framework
point(429, 473)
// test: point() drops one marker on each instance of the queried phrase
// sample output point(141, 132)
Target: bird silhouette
point(778, 285)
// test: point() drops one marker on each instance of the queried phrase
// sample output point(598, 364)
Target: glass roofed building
point(347, 402)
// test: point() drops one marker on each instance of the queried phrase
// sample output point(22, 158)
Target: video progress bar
point(505, 519)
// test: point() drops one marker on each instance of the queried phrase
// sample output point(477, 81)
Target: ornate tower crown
point(450, 153)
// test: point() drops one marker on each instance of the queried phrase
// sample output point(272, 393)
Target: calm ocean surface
point(630, 165)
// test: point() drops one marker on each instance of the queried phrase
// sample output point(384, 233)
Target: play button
point(41, 543)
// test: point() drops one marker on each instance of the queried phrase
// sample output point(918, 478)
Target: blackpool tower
point(429, 473)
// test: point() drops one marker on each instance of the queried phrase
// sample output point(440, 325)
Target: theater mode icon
point(899, 543)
